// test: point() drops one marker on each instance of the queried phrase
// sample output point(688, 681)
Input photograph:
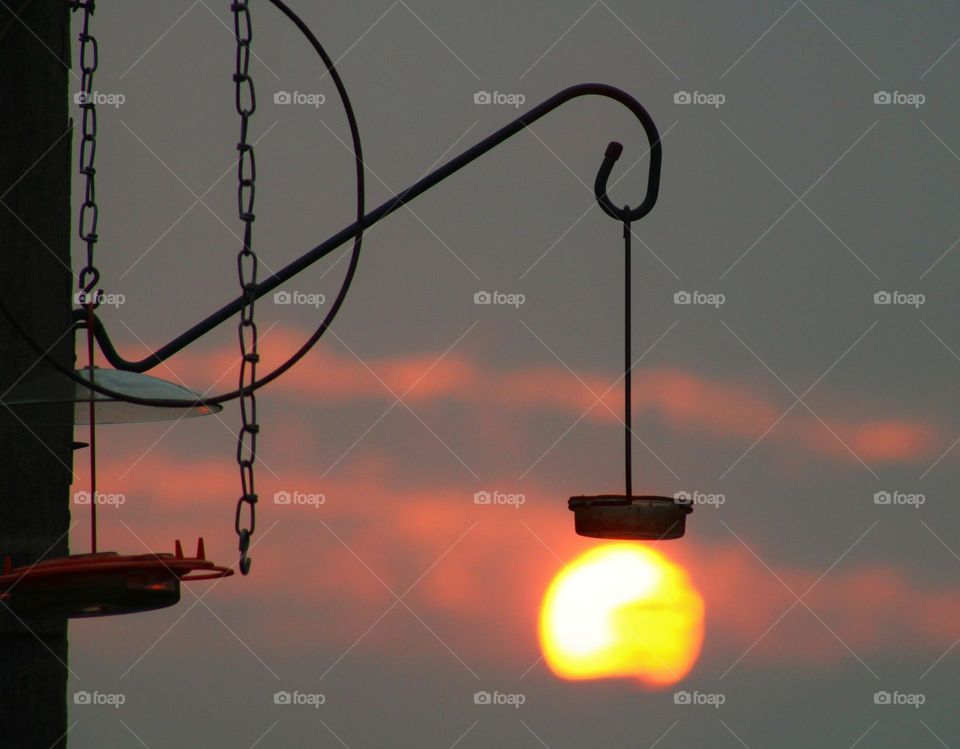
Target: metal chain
point(247, 263)
point(89, 217)
point(89, 212)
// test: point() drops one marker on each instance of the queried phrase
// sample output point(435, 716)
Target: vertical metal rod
point(93, 435)
point(627, 363)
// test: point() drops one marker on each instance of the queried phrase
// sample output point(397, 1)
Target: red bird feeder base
point(103, 584)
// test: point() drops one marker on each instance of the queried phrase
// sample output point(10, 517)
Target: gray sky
point(798, 198)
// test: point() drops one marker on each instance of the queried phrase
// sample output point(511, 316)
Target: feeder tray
point(640, 518)
point(103, 584)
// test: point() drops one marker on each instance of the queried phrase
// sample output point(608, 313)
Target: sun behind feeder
point(626, 516)
point(102, 584)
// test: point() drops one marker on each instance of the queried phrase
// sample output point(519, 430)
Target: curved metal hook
point(613, 152)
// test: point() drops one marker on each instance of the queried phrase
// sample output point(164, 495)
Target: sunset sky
point(798, 399)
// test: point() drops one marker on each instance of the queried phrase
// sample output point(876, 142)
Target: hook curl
point(610, 156)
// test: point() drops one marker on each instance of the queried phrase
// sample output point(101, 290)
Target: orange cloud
point(886, 441)
point(686, 402)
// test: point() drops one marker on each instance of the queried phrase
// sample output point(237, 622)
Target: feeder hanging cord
point(627, 364)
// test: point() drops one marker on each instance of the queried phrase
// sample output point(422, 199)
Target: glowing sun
point(622, 610)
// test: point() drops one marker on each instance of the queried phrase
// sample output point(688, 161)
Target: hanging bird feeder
point(102, 584)
point(626, 516)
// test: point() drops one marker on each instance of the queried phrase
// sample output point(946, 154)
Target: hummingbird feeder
point(102, 584)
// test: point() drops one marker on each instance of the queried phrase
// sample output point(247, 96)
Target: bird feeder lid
point(54, 388)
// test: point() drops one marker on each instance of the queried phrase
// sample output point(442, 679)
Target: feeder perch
point(103, 584)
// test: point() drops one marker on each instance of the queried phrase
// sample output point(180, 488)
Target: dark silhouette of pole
point(36, 282)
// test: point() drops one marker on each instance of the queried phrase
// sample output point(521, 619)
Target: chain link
point(89, 211)
point(247, 265)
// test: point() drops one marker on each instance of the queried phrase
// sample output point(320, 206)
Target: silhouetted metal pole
point(35, 280)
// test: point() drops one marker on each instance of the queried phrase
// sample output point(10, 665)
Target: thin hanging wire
point(89, 276)
point(627, 363)
point(247, 264)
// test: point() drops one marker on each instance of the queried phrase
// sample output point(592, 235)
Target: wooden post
point(36, 282)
